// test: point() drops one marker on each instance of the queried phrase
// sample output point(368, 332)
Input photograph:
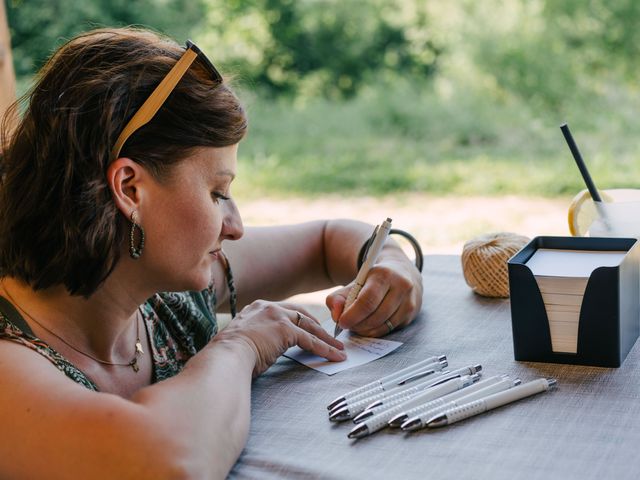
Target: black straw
point(581, 165)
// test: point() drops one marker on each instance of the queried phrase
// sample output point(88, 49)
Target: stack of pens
point(426, 395)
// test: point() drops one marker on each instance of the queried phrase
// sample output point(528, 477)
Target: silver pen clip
point(369, 242)
point(416, 376)
point(445, 378)
point(423, 373)
point(470, 370)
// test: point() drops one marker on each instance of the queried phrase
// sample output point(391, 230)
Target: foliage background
point(385, 96)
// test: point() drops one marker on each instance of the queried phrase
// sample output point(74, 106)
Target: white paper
point(563, 285)
point(571, 263)
point(562, 277)
point(359, 350)
point(562, 300)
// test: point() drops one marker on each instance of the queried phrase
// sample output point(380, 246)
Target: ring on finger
point(389, 325)
point(298, 319)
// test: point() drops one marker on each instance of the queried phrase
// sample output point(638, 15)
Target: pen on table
point(446, 376)
point(422, 407)
point(387, 380)
point(586, 176)
point(402, 395)
point(496, 400)
point(349, 409)
point(420, 419)
point(359, 408)
point(379, 236)
point(402, 403)
point(365, 398)
point(379, 421)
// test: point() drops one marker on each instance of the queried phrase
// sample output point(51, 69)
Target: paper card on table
point(360, 350)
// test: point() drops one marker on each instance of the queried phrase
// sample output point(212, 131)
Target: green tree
point(38, 27)
point(604, 35)
point(329, 47)
point(554, 53)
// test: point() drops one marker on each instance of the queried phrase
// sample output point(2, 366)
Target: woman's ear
point(124, 177)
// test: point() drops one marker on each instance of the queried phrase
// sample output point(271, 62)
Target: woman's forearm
point(191, 426)
point(207, 406)
point(274, 263)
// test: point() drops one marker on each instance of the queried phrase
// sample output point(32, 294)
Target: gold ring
point(389, 325)
point(298, 319)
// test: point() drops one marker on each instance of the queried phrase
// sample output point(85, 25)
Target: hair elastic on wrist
point(394, 231)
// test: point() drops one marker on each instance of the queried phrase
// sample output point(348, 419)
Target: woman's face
point(187, 216)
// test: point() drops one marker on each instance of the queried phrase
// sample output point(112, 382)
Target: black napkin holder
point(609, 321)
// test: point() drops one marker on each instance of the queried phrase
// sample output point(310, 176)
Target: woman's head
point(58, 220)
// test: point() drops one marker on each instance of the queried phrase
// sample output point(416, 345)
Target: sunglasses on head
point(157, 98)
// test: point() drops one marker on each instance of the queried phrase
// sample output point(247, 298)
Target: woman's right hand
point(270, 328)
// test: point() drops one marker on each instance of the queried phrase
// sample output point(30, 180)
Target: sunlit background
point(442, 113)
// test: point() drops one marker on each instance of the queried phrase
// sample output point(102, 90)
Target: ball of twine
point(484, 262)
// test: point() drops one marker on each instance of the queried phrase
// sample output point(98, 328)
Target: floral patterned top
point(178, 324)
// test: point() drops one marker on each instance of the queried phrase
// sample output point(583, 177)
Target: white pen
point(377, 422)
point(398, 396)
point(379, 236)
point(419, 419)
point(492, 401)
point(389, 381)
point(348, 410)
point(360, 402)
point(458, 372)
point(422, 407)
point(395, 376)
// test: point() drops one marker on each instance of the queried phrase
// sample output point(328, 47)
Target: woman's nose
point(232, 228)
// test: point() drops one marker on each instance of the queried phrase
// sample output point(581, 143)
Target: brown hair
point(58, 221)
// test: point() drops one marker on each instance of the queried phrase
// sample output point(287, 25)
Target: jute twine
point(484, 262)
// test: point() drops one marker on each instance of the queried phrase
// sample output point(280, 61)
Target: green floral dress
point(178, 324)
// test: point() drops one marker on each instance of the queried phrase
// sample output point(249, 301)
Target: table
point(588, 428)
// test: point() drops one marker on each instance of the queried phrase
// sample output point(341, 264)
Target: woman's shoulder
point(15, 334)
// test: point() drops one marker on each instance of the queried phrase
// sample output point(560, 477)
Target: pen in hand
point(380, 235)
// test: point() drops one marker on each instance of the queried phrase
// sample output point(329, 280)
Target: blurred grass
point(465, 98)
point(411, 139)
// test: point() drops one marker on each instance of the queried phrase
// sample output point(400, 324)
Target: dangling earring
point(135, 251)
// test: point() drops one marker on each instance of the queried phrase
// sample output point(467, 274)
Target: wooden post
point(7, 76)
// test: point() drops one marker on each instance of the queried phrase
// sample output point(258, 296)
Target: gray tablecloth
point(588, 428)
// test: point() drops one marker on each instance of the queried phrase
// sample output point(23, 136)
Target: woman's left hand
point(390, 298)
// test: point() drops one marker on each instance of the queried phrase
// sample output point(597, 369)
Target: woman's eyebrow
point(224, 173)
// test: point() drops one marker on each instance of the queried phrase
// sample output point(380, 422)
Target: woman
point(113, 190)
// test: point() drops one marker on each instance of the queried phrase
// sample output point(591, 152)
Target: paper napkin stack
point(562, 277)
